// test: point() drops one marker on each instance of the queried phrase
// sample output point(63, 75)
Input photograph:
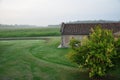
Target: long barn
point(79, 30)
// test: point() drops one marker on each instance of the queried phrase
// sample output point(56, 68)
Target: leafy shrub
point(99, 53)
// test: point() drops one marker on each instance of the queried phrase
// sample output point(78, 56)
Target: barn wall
point(117, 34)
point(65, 39)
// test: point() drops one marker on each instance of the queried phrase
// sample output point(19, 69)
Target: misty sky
point(44, 12)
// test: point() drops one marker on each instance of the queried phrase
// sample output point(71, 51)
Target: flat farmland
point(29, 32)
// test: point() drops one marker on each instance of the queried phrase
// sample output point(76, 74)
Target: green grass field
point(39, 60)
point(29, 32)
point(36, 60)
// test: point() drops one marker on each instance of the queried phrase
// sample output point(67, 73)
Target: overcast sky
point(44, 12)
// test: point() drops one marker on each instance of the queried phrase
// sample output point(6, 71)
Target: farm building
point(79, 30)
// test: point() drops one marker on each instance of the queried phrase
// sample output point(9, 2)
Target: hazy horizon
point(45, 12)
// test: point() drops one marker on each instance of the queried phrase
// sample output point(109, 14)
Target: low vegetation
point(42, 60)
point(37, 60)
point(99, 54)
point(29, 32)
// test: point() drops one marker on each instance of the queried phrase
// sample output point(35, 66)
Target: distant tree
point(99, 53)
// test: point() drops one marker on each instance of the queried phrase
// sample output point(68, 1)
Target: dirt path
point(27, 38)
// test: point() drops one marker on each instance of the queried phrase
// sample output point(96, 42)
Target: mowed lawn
point(37, 60)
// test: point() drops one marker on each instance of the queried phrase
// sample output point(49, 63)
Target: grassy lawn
point(36, 60)
point(29, 32)
point(39, 60)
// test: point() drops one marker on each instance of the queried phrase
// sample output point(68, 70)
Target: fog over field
point(45, 12)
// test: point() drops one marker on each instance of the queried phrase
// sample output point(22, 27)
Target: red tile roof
point(84, 28)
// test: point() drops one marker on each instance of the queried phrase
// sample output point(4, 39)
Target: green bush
point(98, 53)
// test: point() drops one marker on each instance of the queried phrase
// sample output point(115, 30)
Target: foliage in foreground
point(99, 53)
